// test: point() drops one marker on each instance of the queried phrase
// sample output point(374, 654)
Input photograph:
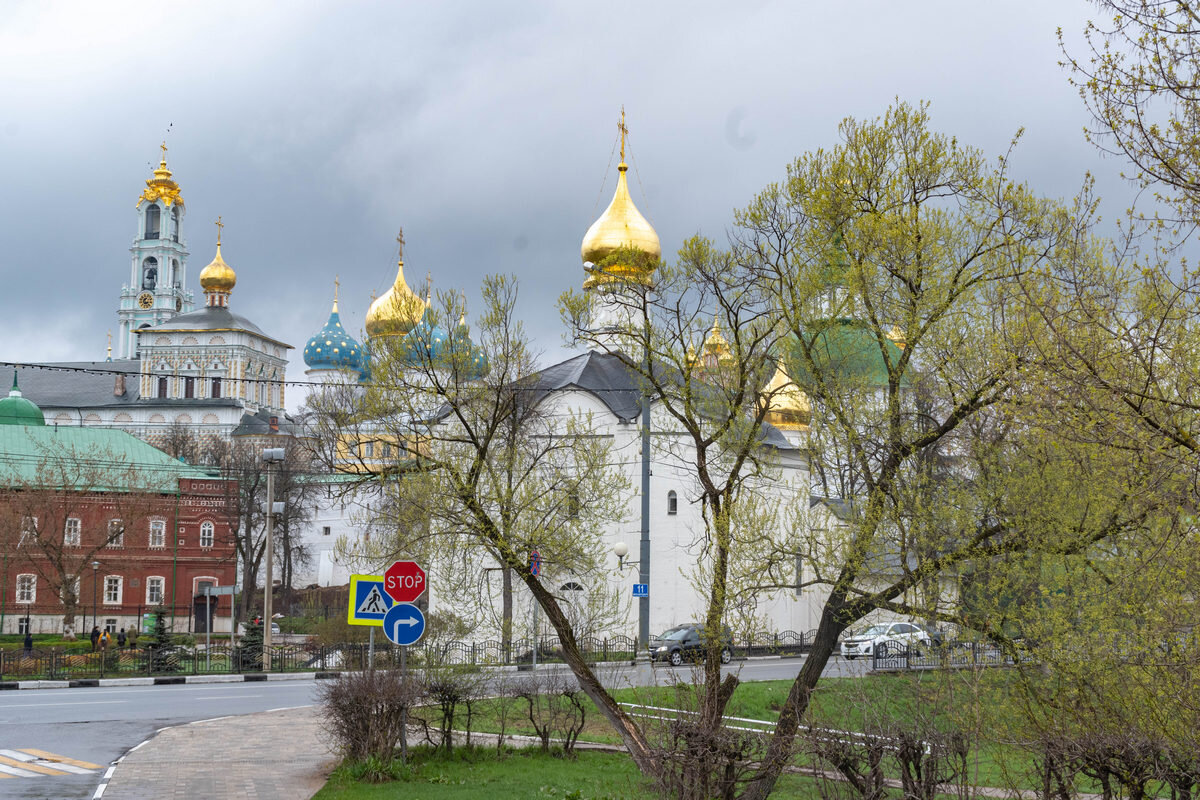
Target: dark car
point(687, 642)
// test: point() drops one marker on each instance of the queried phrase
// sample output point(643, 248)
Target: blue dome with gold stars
point(333, 348)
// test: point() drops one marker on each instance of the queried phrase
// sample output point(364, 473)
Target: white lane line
point(26, 758)
point(76, 703)
point(226, 696)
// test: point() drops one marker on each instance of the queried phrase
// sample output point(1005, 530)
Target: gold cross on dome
point(624, 132)
point(336, 284)
point(400, 242)
point(219, 225)
point(163, 147)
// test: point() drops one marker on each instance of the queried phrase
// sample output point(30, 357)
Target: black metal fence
point(893, 656)
point(63, 664)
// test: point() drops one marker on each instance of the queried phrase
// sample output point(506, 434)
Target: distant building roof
point(101, 459)
point(211, 318)
point(94, 384)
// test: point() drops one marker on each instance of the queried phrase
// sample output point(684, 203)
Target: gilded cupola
point(621, 226)
point(398, 310)
point(788, 408)
point(218, 278)
point(716, 350)
point(162, 186)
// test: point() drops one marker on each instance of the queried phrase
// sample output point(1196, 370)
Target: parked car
point(687, 642)
point(863, 643)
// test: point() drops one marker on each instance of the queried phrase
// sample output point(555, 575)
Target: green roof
point(844, 350)
point(87, 459)
point(16, 410)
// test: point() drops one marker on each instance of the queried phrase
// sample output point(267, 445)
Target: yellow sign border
point(350, 610)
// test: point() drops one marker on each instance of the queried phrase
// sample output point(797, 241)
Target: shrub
point(367, 714)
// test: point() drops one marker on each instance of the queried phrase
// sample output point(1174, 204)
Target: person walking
point(95, 637)
point(105, 638)
point(121, 639)
point(133, 637)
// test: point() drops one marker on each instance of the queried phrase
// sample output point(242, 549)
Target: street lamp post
point(95, 580)
point(271, 456)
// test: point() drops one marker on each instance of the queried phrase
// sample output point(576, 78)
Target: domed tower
point(398, 310)
point(156, 291)
point(621, 228)
point(332, 354)
point(218, 278)
point(16, 410)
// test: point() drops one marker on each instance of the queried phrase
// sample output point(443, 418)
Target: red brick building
point(99, 527)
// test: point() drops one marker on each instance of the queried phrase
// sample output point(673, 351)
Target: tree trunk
point(779, 751)
point(632, 736)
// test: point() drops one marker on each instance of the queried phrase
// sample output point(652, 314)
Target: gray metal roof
point(210, 318)
point(93, 384)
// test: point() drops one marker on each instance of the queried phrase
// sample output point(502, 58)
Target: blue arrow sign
point(641, 590)
point(404, 624)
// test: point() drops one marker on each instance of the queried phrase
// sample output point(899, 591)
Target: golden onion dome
point(788, 408)
point(218, 276)
point(162, 186)
point(620, 226)
point(397, 311)
point(897, 336)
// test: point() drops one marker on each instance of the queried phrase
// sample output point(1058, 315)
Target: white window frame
point(208, 534)
point(73, 532)
point(672, 503)
point(119, 539)
point(27, 594)
point(161, 583)
point(28, 529)
point(113, 598)
point(158, 531)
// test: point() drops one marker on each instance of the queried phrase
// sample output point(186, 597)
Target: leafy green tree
point(899, 259)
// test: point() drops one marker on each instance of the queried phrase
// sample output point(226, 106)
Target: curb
point(168, 680)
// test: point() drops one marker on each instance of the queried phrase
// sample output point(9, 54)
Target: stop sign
point(404, 581)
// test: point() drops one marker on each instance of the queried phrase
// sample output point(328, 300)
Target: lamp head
point(621, 549)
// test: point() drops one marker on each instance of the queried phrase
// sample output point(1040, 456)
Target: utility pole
point(271, 456)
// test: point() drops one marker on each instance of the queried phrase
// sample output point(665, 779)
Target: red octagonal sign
point(404, 581)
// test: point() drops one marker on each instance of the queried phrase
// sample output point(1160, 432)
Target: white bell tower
point(157, 288)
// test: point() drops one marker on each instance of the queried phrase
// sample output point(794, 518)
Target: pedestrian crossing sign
point(368, 601)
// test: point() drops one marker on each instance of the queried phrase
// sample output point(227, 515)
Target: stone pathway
point(277, 755)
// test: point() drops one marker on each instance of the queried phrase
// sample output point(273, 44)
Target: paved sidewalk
point(274, 755)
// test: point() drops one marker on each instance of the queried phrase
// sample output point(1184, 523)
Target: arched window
point(175, 279)
point(207, 534)
point(150, 273)
point(175, 225)
point(216, 387)
point(672, 502)
point(152, 221)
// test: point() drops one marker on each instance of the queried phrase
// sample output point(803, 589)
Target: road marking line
point(110, 772)
point(18, 773)
point(56, 758)
point(32, 767)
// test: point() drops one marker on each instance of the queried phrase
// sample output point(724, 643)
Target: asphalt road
point(95, 726)
point(99, 725)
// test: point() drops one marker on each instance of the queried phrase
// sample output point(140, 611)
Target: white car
point(863, 643)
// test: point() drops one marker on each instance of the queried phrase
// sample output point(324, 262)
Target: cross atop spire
point(336, 284)
point(219, 225)
point(400, 244)
point(624, 132)
point(163, 147)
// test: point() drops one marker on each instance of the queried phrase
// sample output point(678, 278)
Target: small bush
point(366, 714)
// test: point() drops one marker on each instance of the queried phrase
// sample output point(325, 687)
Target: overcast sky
point(316, 130)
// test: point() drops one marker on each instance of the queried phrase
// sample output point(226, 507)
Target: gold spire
point(162, 186)
point(716, 347)
point(620, 226)
point(399, 309)
point(218, 278)
point(336, 285)
point(110, 345)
